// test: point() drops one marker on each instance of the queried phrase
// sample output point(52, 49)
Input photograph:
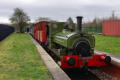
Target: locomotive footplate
point(96, 60)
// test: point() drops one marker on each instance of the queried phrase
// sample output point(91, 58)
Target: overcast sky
point(60, 9)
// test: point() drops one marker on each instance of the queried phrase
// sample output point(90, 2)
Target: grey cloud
point(60, 10)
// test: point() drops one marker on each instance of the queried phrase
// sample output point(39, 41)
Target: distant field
point(19, 60)
point(108, 44)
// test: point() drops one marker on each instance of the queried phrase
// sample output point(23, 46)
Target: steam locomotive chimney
point(79, 23)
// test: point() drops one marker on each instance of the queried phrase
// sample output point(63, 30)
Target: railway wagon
point(72, 47)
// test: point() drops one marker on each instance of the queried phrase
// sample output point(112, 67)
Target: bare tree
point(113, 16)
point(69, 20)
point(19, 19)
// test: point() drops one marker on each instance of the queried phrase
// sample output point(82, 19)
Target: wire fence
point(96, 29)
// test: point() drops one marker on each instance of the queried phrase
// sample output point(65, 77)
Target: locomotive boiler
point(72, 47)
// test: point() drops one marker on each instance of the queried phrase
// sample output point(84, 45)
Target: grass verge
point(109, 44)
point(19, 60)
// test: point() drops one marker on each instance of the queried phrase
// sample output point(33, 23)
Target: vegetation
point(95, 26)
point(69, 21)
point(19, 19)
point(19, 60)
point(108, 44)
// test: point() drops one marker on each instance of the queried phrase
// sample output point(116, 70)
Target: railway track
point(113, 68)
point(76, 74)
point(91, 74)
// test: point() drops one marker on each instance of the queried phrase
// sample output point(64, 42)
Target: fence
point(96, 29)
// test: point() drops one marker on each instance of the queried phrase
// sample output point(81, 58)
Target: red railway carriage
point(40, 30)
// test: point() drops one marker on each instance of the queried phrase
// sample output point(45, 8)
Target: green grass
point(19, 60)
point(108, 44)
